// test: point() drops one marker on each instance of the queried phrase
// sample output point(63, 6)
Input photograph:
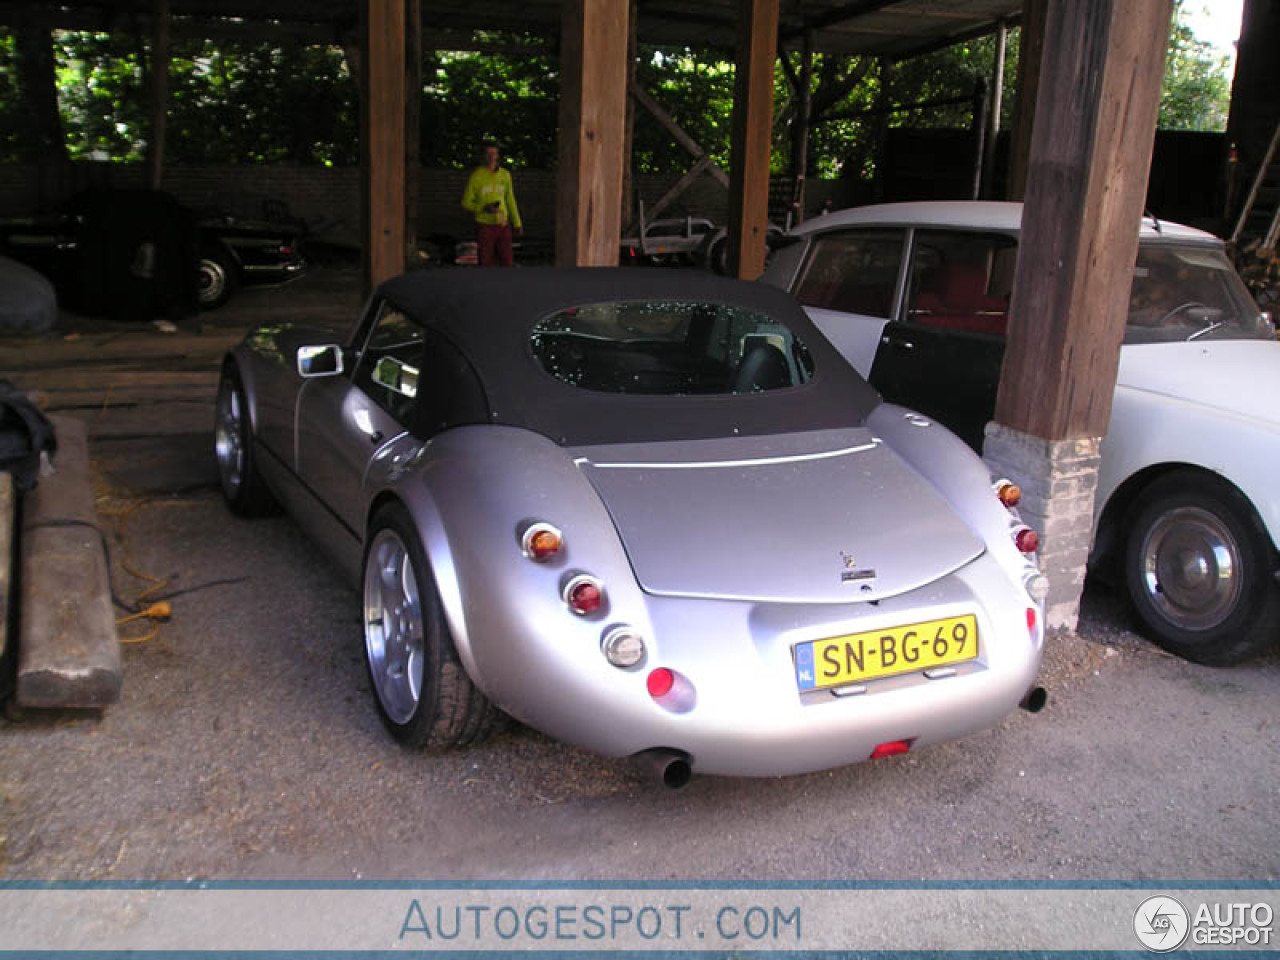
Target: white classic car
point(916, 296)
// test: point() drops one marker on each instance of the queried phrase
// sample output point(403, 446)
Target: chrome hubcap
point(1190, 568)
point(393, 636)
point(228, 445)
point(212, 280)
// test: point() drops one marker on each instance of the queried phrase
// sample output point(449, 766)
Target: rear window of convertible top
point(670, 347)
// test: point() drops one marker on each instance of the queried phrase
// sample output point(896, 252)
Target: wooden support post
point(412, 125)
point(1100, 83)
point(629, 131)
point(1030, 53)
point(593, 90)
point(158, 74)
point(884, 104)
point(752, 125)
point(382, 139)
point(1085, 194)
point(800, 132)
point(993, 112)
point(978, 130)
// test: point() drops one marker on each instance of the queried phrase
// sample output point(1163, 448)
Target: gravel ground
point(246, 744)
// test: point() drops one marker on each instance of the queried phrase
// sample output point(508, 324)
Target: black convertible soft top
point(489, 315)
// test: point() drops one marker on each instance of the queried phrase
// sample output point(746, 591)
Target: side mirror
point(320, 361)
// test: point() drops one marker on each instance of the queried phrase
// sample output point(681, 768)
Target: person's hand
point(517, 232)
point(491, 207)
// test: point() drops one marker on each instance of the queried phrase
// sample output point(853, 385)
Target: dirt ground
point(246, 744)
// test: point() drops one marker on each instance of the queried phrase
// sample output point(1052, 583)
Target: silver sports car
point(649, 514)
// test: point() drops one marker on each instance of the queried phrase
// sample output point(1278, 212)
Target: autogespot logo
point(1161, 924)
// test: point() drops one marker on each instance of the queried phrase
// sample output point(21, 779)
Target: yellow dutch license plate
point(839, 661)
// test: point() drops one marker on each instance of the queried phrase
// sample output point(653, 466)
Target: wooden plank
point(752, 125)
point(593, 90)
point(1100, 81)
point(159, 98)
point(412, 125)
point(1030, 53)
point(677, 132)
point(677, 188)
point(382, 140)
point(629, 129)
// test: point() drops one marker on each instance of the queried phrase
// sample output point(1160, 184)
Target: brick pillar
point(1058, 480)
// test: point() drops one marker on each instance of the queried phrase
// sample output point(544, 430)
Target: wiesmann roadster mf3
point(647, 514)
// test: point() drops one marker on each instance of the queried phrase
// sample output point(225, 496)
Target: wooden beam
point(1085, 191)
point(412, 125)
point(382, 139)
point(629, 129)
point(677, 132)
point(593, 90)
point(1030, 53)
point(158, 75)
point(752, 125)
point(993, 113)
point(801, 125)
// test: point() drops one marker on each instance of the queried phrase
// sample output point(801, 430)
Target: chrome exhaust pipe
point(672, 767)
point(1035, 700)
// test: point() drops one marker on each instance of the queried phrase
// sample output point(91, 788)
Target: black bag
point(25, 432)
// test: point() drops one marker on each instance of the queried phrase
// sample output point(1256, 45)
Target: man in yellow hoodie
point(490, 197)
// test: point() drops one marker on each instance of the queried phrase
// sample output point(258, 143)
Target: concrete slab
point(68, 652)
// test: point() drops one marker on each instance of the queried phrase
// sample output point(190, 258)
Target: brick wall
point(328, 199)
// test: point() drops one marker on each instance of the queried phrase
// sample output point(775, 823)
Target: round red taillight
point(660, 682)
point(1031, 620)
point(1026, 540)
point(541, 542)
point(584, 595)
point(1009, 493)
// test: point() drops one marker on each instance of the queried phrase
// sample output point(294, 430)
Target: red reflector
point(1027, 540)
point(1031, 619)
point(890, 749)
point(286, 251)
point(585, 597)
point(660, 682)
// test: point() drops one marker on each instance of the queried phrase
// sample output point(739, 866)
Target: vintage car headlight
point(622, 647)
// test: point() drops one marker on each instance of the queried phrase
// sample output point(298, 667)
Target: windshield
point(1190, 292)
point(670, 347)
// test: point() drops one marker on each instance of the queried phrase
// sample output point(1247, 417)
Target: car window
point(668, 347)
point(388, 368)
point(1186, 292)
point(853, 271)
point(961, 280)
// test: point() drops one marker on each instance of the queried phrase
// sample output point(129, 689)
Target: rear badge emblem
point(851, 573)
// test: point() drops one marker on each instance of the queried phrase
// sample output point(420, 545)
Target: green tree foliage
point(10, 99)
point(235, 102)
point(1197, 82)
point(468, 98)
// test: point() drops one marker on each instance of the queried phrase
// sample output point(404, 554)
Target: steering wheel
point(1183, 308)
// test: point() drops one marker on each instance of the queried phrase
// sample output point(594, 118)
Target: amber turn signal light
point(1009, 493)
point(541, 542)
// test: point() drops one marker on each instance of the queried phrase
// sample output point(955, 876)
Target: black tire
point(718, 256)
point(1199, 570)
point(217, 278)
point(447, 710)
point(243, 488)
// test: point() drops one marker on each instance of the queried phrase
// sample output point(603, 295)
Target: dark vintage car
point(74, 248)
point(652, 514)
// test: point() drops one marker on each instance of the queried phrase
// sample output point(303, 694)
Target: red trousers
point(494, 246)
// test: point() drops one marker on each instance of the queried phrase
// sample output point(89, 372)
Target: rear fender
point(959, 474)
point(472, 491)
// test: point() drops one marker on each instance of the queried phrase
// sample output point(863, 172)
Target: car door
point(850, 285)
point(345, 421)
point(942, 353)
